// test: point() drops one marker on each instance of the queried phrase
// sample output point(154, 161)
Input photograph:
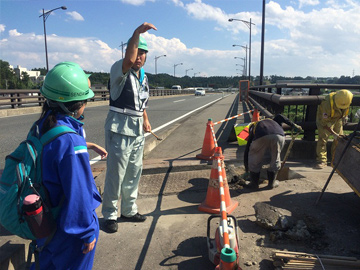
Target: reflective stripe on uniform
point(126, 111)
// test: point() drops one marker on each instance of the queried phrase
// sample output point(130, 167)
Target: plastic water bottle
point(40, 222)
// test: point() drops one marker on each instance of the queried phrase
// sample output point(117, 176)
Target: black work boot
point(254, 180)
point(110, 226)
point(135, 218)
point(271, 178)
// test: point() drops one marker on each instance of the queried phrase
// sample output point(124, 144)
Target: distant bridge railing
point(301, 109)
point(18, 98)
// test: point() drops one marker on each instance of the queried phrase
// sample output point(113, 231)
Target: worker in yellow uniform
point(330, 118)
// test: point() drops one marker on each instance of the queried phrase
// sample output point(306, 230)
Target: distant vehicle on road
point(177, 87)
point(199, 91)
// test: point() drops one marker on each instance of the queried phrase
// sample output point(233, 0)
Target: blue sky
point(302, 37)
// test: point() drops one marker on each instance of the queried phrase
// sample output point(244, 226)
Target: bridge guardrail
point(302, 109)
point(16, 98)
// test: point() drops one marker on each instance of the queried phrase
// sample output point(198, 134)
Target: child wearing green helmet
point(66, 172)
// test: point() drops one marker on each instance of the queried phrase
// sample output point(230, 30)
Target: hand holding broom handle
point(157, 137)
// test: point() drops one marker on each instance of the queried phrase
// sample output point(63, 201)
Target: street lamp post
point(196, 73)
point(246, 50)
point(262, 45)
point(176, 66)
point(156, 58)
point(187, 71)
point(45, 15)
point(122, 45)
point(246, 55)
point(248, 24)
point(244, 65)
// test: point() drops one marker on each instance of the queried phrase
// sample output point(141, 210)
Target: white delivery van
point(177, 87)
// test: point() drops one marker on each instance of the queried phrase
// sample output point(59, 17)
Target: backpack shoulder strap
point(54, 133)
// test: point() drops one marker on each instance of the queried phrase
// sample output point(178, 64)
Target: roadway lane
point(160, 112)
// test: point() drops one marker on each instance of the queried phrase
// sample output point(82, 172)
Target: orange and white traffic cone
point(212, 202)
point(228, 260)
point(208, 148)
point(255, 116)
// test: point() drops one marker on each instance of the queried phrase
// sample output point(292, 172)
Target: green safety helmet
point(66, 82)
point(142, 44)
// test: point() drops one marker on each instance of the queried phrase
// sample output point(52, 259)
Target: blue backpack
point(22, 176)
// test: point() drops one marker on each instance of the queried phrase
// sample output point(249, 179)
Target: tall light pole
point(246, 50)
point(122, 45)
point(244, 65)
point(248, 24)
point(45, 15)
point(156, 58)
point(262, 45)
point(176, 66)
point(187, 71)
point(246, 54)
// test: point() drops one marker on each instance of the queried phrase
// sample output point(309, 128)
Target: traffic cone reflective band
point(256, 116)
point(208, 148)
point(214, 195)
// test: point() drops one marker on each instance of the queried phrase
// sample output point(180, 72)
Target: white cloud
point(178, 3)
point(27, 50)
point(201, 11)
point(319, 42)
point(136, 2)
point(75, 16)
point(203, 62)
point(303, 3)
point(14, 33)
point(2, 28)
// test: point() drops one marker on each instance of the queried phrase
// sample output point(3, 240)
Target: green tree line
point(8, 79)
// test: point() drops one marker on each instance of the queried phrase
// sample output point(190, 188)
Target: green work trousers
point(124, 167)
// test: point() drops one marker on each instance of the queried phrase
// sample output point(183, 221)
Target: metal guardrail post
point(12, 100)
point(310, 116)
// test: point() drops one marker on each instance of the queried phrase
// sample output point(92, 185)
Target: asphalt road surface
point(162, 113)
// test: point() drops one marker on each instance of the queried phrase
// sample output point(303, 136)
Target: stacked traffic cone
point(228, 260)
point(212, 202)
point(255, 116)
point(208, 148)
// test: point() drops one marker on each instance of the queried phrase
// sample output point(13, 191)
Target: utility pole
point(122, 45)
point(262, 45)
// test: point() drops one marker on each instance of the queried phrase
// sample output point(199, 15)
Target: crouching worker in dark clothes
point(266, 136)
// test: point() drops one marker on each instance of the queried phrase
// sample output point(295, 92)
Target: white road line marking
point(98, 158)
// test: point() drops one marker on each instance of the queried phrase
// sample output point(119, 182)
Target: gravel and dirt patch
point(329, 228)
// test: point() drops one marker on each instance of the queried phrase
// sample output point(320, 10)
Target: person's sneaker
point(135, 218)
point(320, 165)
point(110, 226)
